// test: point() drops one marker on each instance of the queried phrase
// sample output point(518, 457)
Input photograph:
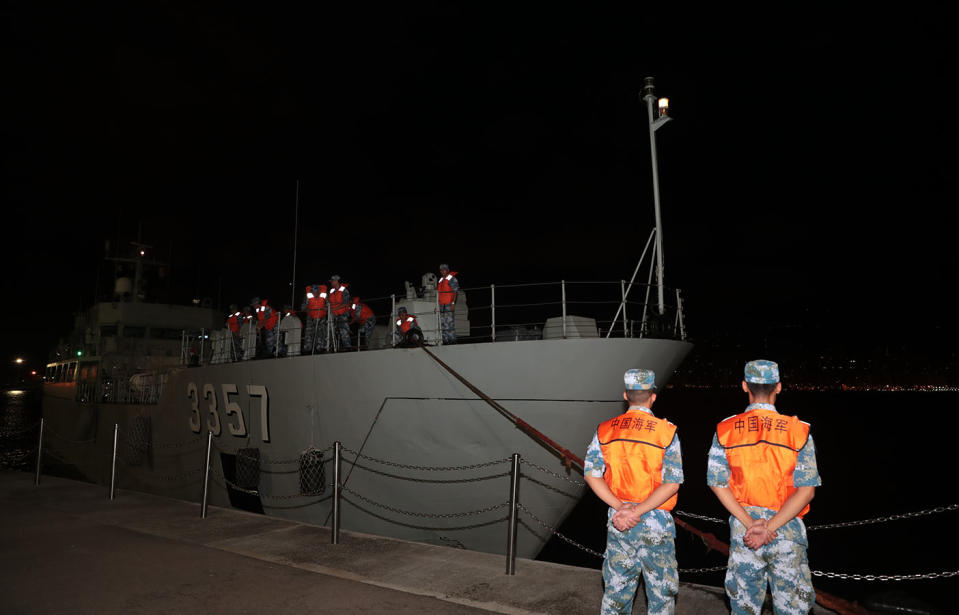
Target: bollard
point(36, 480)
point(113, 468)
point(335, 539)
point(513, 502)
point(206, 474)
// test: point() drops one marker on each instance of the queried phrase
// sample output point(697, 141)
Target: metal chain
point(238, 453)
point(427, 515)
point(426, 468)
point(698, 570)
point(551, 473)
point(572, 496)
point(909, 515)
point(682, 513)
point(53, 433)
point(885, 577)
point(425, 527)
point(554, 532)
point(431, 480)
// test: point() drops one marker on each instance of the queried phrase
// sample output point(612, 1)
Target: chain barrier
point(682, 513)
point(431, 480)
point(555, 532)
point(474, 466)
point(427, 515)
point(885, 577)
point(909, 515)
point(553, 474)
point(424, 527)
point(241, 453)
point(573, 496)
point(48, 431)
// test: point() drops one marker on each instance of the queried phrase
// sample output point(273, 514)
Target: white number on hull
point(213, 422)
point(194, 407)
point(237, 425)
point(233, 408)
point(258, 390)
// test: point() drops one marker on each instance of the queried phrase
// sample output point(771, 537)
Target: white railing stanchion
point(513, 517)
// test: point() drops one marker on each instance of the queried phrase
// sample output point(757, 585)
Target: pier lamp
point(656, 121)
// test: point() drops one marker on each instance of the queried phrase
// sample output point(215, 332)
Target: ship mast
point(656, 121)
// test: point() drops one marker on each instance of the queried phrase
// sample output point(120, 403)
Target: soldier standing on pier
point(762, 467)
point(635, 465)
point(446, 288)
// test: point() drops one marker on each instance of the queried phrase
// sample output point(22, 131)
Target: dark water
point(879, 454)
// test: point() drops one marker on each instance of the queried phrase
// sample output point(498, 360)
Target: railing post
point(513, 503)
point(206, 474)
point(335, 536)
point(563, 283)
point(36, 480)
point(113, 468)
point(622, 290)
point(439, 318)
point(492, 304)
point(679, 315)
point(393, 321)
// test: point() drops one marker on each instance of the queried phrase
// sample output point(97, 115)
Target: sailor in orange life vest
point(447, 288)
point(340, 310)
point(407, 332)
point(365, 320)
point(233, 322)
point(266, 321)
point(762, 467)
point(635, 465)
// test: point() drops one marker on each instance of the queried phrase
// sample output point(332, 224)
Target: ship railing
point(495, 313)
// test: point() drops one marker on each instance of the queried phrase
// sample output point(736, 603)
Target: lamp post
point(657, 118)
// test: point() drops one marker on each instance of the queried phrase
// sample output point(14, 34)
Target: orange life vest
point(266, 315)
point(337, 304)
point(762, 447)
point(233, 321)
point(405, 324)
point(633, 446)
point(316, 305)
point(361, 312)
point(446, 293)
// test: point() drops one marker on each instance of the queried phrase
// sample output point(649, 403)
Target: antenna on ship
point(657, 118)
point(296, 220)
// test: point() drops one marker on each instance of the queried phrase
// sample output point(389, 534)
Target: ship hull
point(424, 458)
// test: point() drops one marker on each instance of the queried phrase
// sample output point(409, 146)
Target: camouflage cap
point(402, 308)
point(762, 372)
point(255, 300)
point(444, 266)
point(640, 379)
point(334, 277)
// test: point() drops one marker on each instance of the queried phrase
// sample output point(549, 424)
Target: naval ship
point(427, 432)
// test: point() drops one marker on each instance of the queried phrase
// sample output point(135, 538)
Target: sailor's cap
point(334, 277)
point(402, 308)
point(761, 371)
point(640, 379)
point(444, 266)
point(255, 300)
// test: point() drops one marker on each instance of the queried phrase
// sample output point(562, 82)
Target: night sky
point(808, 178)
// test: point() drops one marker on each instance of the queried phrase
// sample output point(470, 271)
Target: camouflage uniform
point(783, 561)
point(647, 549)
point(448, 310)
point(315, 337)
point(341, 322)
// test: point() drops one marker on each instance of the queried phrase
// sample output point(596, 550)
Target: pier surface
point(66, 548)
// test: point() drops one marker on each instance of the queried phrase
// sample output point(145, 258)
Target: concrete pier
point(66, 548)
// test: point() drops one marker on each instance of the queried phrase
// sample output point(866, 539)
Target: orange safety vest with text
point(762, 447)
point(633, 446)
point(446, 293)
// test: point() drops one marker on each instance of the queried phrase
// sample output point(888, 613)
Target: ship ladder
point(839, 605)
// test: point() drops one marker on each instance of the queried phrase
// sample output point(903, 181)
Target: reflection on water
point(19, 419)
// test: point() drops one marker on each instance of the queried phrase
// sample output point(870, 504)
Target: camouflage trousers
point(365, 332)
point(629, 555)
point(448, 323)
point(341, 327)
point(236, 347)
point(269, 342)
point(314, 336)
point(783, 564)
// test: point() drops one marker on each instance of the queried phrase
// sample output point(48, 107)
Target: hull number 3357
point(232, 412)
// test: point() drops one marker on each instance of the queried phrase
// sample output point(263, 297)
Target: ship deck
point(68, 549)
